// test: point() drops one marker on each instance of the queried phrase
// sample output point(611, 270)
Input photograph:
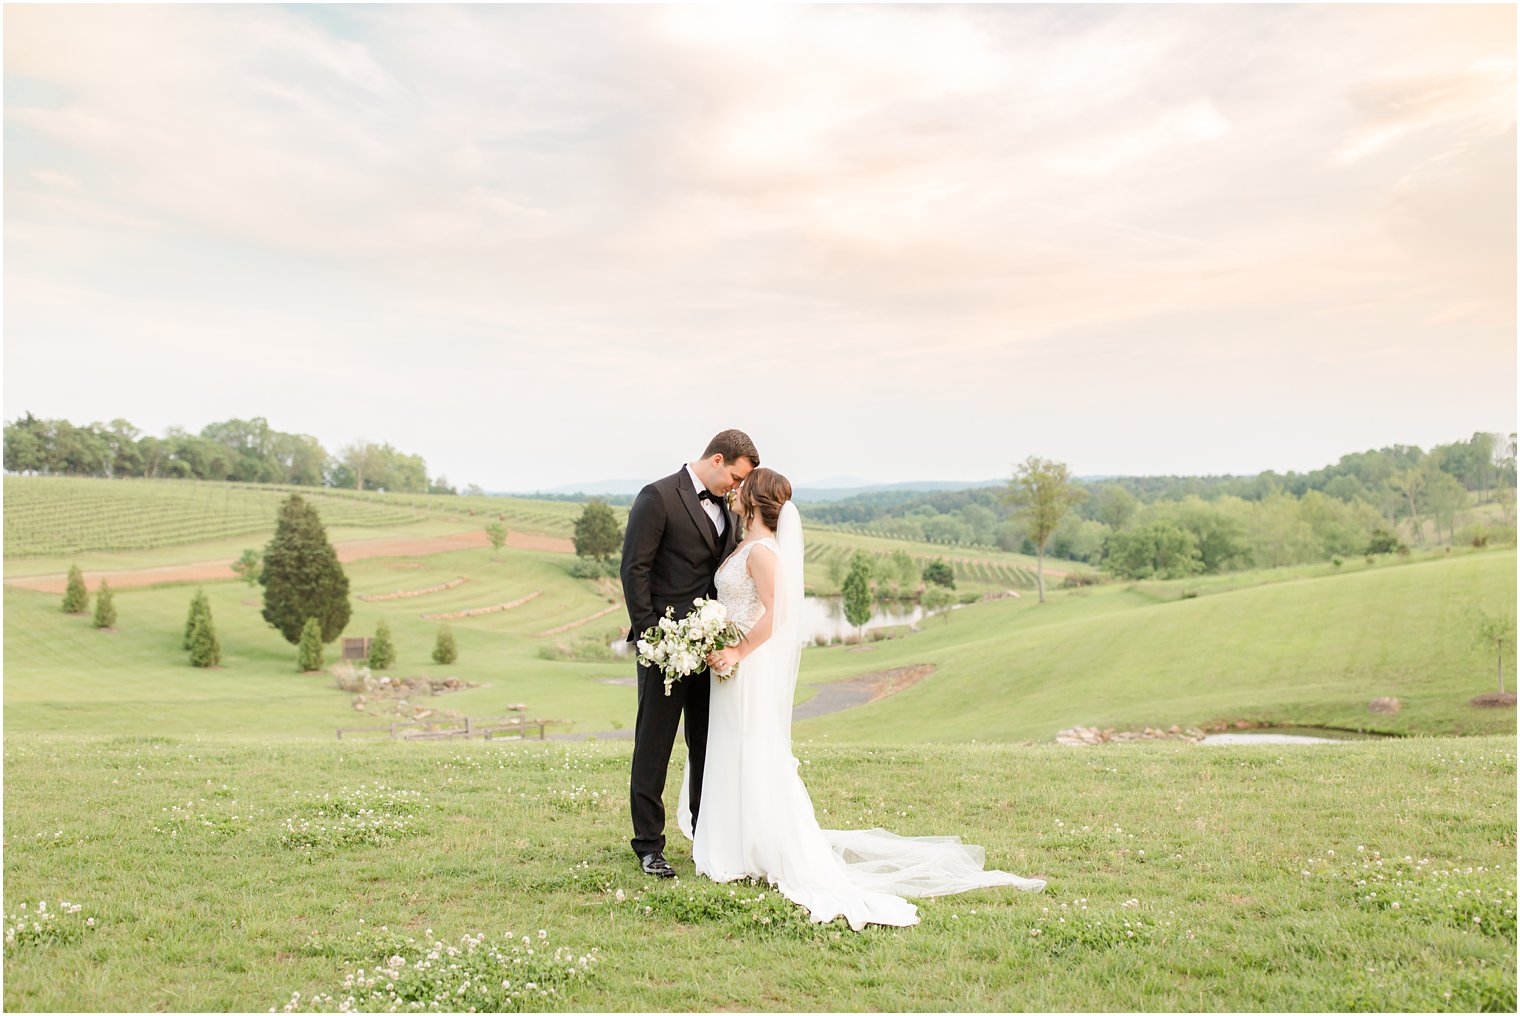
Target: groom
point(679, 531)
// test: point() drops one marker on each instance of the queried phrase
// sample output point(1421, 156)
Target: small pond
point(824, 615)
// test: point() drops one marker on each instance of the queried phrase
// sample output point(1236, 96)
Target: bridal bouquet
point(679, 649)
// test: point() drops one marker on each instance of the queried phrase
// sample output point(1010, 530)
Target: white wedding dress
point(757, 819)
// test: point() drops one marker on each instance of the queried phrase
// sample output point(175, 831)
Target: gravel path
point(830, 698)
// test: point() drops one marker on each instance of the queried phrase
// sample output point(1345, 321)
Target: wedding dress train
point(757, 819)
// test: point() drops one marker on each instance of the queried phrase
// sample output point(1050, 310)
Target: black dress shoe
point(656, 865)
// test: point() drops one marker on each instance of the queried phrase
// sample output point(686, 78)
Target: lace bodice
point(736, 590)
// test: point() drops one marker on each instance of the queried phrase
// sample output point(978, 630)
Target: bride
point(757, 819)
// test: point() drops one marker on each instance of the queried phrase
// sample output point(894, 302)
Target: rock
point(1384, 705)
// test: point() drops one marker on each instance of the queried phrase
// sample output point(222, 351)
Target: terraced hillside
point(52, 516)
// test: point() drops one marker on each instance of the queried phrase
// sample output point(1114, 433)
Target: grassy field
point(1298, 651)
point(226, 874)
point(225, 851)
point(1305, 647)
point(61, 674)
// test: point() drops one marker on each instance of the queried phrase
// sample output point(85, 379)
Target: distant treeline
point(246, 451)
point(1193, 524)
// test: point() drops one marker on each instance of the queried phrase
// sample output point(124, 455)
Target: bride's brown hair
point(763, 492)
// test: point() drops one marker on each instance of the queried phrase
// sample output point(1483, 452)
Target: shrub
point(205, 650)
point(382, 652)
point(199, 605)
point(76, 598)
point(594, 568)
point(349, 677)
point(309, 649)
point(105, 607)
point(444, 650)
point(1383, 541)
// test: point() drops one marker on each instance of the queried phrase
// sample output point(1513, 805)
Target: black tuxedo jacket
point(669, 553)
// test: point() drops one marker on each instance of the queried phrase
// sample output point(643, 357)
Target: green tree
point(936, 599)
point(26, 445)
point(909, 574)
point(1410, 485)
point(597, 533)
point(497, 534)
point(105, 606)
point(444, 650)
point(1445, 497)
point(247, 566)
point(836, 570)
point(205, 649)
point(1041, 493)
point(309, 648)
point(76, 598)
point(857, 592)
point(1113, 506)
point(1496, 634)
point(1159, 549)
point(382, 652)
point(301, 576)
point(939, 573)
point(199, 605)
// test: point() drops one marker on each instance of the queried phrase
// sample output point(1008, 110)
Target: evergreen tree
point(857, 592)
point(382, 652)
point(444, 651)
point(198, 606)
point(205, 650)
point(76, 598)
point(302, 578)
point(105, 607)
point(309, 652)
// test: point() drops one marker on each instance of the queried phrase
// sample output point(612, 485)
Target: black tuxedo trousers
point(670, 554)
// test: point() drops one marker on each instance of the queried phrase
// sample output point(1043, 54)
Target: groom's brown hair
point(732, 445)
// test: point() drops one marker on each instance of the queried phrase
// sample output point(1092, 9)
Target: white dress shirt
point(715, 513)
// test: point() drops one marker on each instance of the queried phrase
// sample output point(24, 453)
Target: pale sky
point(542, 245)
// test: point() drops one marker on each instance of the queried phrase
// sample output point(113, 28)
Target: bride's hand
point(723, 660)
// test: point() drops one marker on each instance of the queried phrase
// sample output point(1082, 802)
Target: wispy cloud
point(943, 220)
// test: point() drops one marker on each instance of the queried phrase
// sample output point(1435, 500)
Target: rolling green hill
point(1308, 651)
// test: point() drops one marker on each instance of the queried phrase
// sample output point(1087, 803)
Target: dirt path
point(831, 698)
point(352, 550)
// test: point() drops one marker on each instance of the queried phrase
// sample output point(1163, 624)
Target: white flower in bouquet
point(679, 649)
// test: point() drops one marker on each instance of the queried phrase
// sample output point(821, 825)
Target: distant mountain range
point(829, 488)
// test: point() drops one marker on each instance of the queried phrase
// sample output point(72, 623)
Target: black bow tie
point(707, 495)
